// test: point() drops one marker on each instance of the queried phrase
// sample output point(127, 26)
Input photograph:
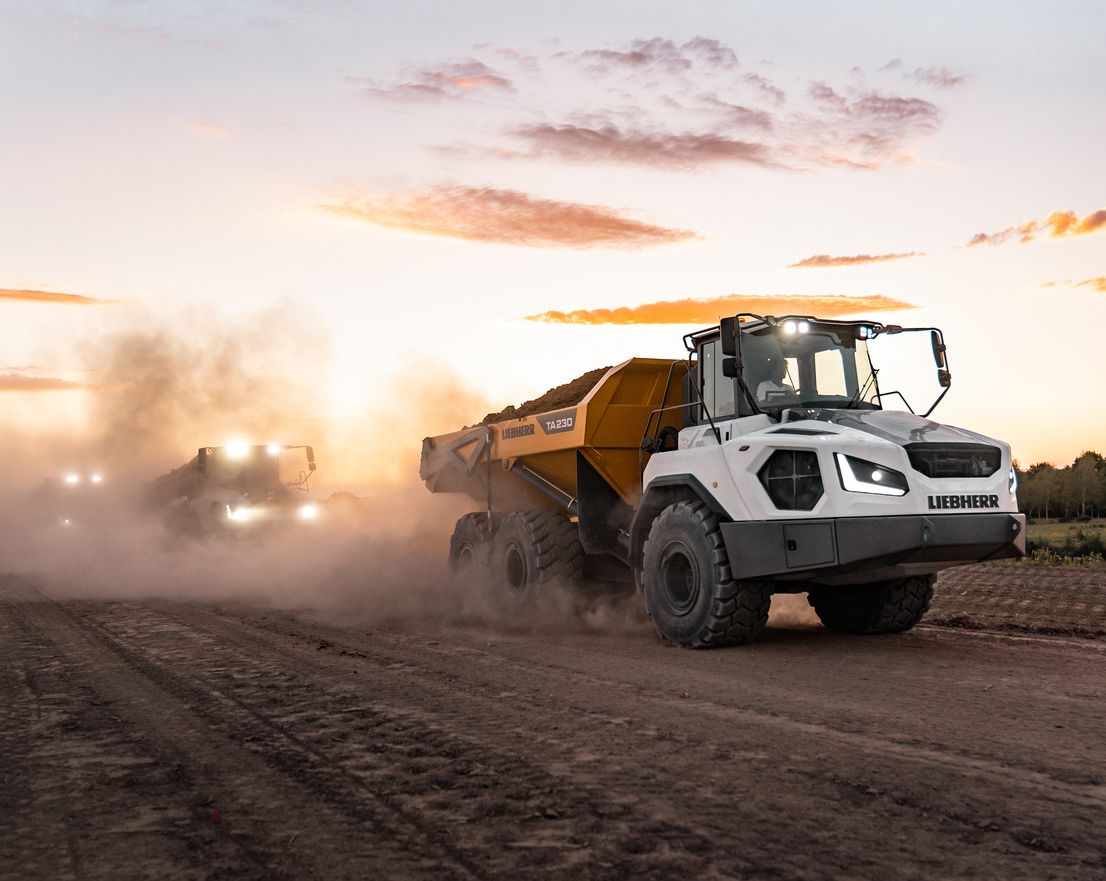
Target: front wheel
point(690, 592)
point(868, 609)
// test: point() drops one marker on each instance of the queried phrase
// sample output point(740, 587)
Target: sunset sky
point(506, 193)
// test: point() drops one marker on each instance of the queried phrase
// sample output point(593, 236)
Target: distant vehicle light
point(274, 449)
point(237, 449)
point(72, 479)
point(309, 511)
point(239, 514)
point(804, 326)
point(97, 478)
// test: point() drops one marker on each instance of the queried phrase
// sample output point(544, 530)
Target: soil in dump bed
point(562, 396)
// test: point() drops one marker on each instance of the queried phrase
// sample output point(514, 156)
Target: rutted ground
point(1058, 599)
point(154, 740)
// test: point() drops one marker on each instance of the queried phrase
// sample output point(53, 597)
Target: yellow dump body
point(606, 429)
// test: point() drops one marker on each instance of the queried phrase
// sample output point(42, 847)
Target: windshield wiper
point(855, 399)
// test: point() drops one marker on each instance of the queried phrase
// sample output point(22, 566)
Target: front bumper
point(852, 550)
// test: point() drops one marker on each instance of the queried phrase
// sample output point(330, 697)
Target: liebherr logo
point(953, 503)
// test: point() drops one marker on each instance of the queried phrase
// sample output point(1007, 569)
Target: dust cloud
point(377, 550)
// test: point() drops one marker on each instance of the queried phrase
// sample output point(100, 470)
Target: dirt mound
point(562, 396)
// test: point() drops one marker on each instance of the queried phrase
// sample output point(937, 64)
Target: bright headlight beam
point(309, 511)
point(274, 449)
point(237, 449)
point(238, 514)
point(72, 479)
point(852, 483)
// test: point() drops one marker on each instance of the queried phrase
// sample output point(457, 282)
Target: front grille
point(954, 460)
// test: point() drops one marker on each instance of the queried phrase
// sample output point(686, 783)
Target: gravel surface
point(171, 740)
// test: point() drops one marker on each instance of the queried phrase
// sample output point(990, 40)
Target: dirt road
point(165, 740)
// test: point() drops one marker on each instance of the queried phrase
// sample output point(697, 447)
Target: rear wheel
point(469, 546)
point(884, 607)
point(690, 593)
point(532, 548)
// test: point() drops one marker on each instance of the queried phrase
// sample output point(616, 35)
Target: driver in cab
point(774, 386)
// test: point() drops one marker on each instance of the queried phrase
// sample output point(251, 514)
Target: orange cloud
point(508, 217)
point(1057, 225)
point(859, 259)
point(708, 310)
point(51, 297)
point(1095, 284)
point(17, 382)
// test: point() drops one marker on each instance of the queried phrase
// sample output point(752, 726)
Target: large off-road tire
point(470, 546)
point(533, 548)
point(883, 607)
point(690, 593)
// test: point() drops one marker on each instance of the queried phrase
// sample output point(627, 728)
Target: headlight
point(309, 511)
point(1013, 481)
point(237, 449)
point(862, 476)
point(239, 514)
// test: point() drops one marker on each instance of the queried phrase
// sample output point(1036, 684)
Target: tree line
point(1075, 492)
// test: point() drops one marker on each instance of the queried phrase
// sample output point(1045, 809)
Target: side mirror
point(730, 329)
point(201, 459)
point(730, 367)
point(938, 349)
point(944, 378)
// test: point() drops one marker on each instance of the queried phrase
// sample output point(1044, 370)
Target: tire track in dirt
point(993, 774)
point(349, 841)
point(1042, 784)
point(414, 755)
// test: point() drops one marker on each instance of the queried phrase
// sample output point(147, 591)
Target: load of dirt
point(562, 396)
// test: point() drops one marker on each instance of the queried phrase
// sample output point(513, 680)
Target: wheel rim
point(680, 578)
point(515, 569)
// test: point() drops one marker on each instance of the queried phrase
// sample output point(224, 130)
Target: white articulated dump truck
point(766, 463)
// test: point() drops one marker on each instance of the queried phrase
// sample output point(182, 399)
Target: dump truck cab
point(239, 486)
point(817, 482)
point(764, 462)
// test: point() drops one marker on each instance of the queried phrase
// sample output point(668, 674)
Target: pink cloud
point(610, 143)
point(484, 214)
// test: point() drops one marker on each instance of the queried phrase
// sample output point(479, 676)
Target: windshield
point(258, 469)
point(816, 367)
